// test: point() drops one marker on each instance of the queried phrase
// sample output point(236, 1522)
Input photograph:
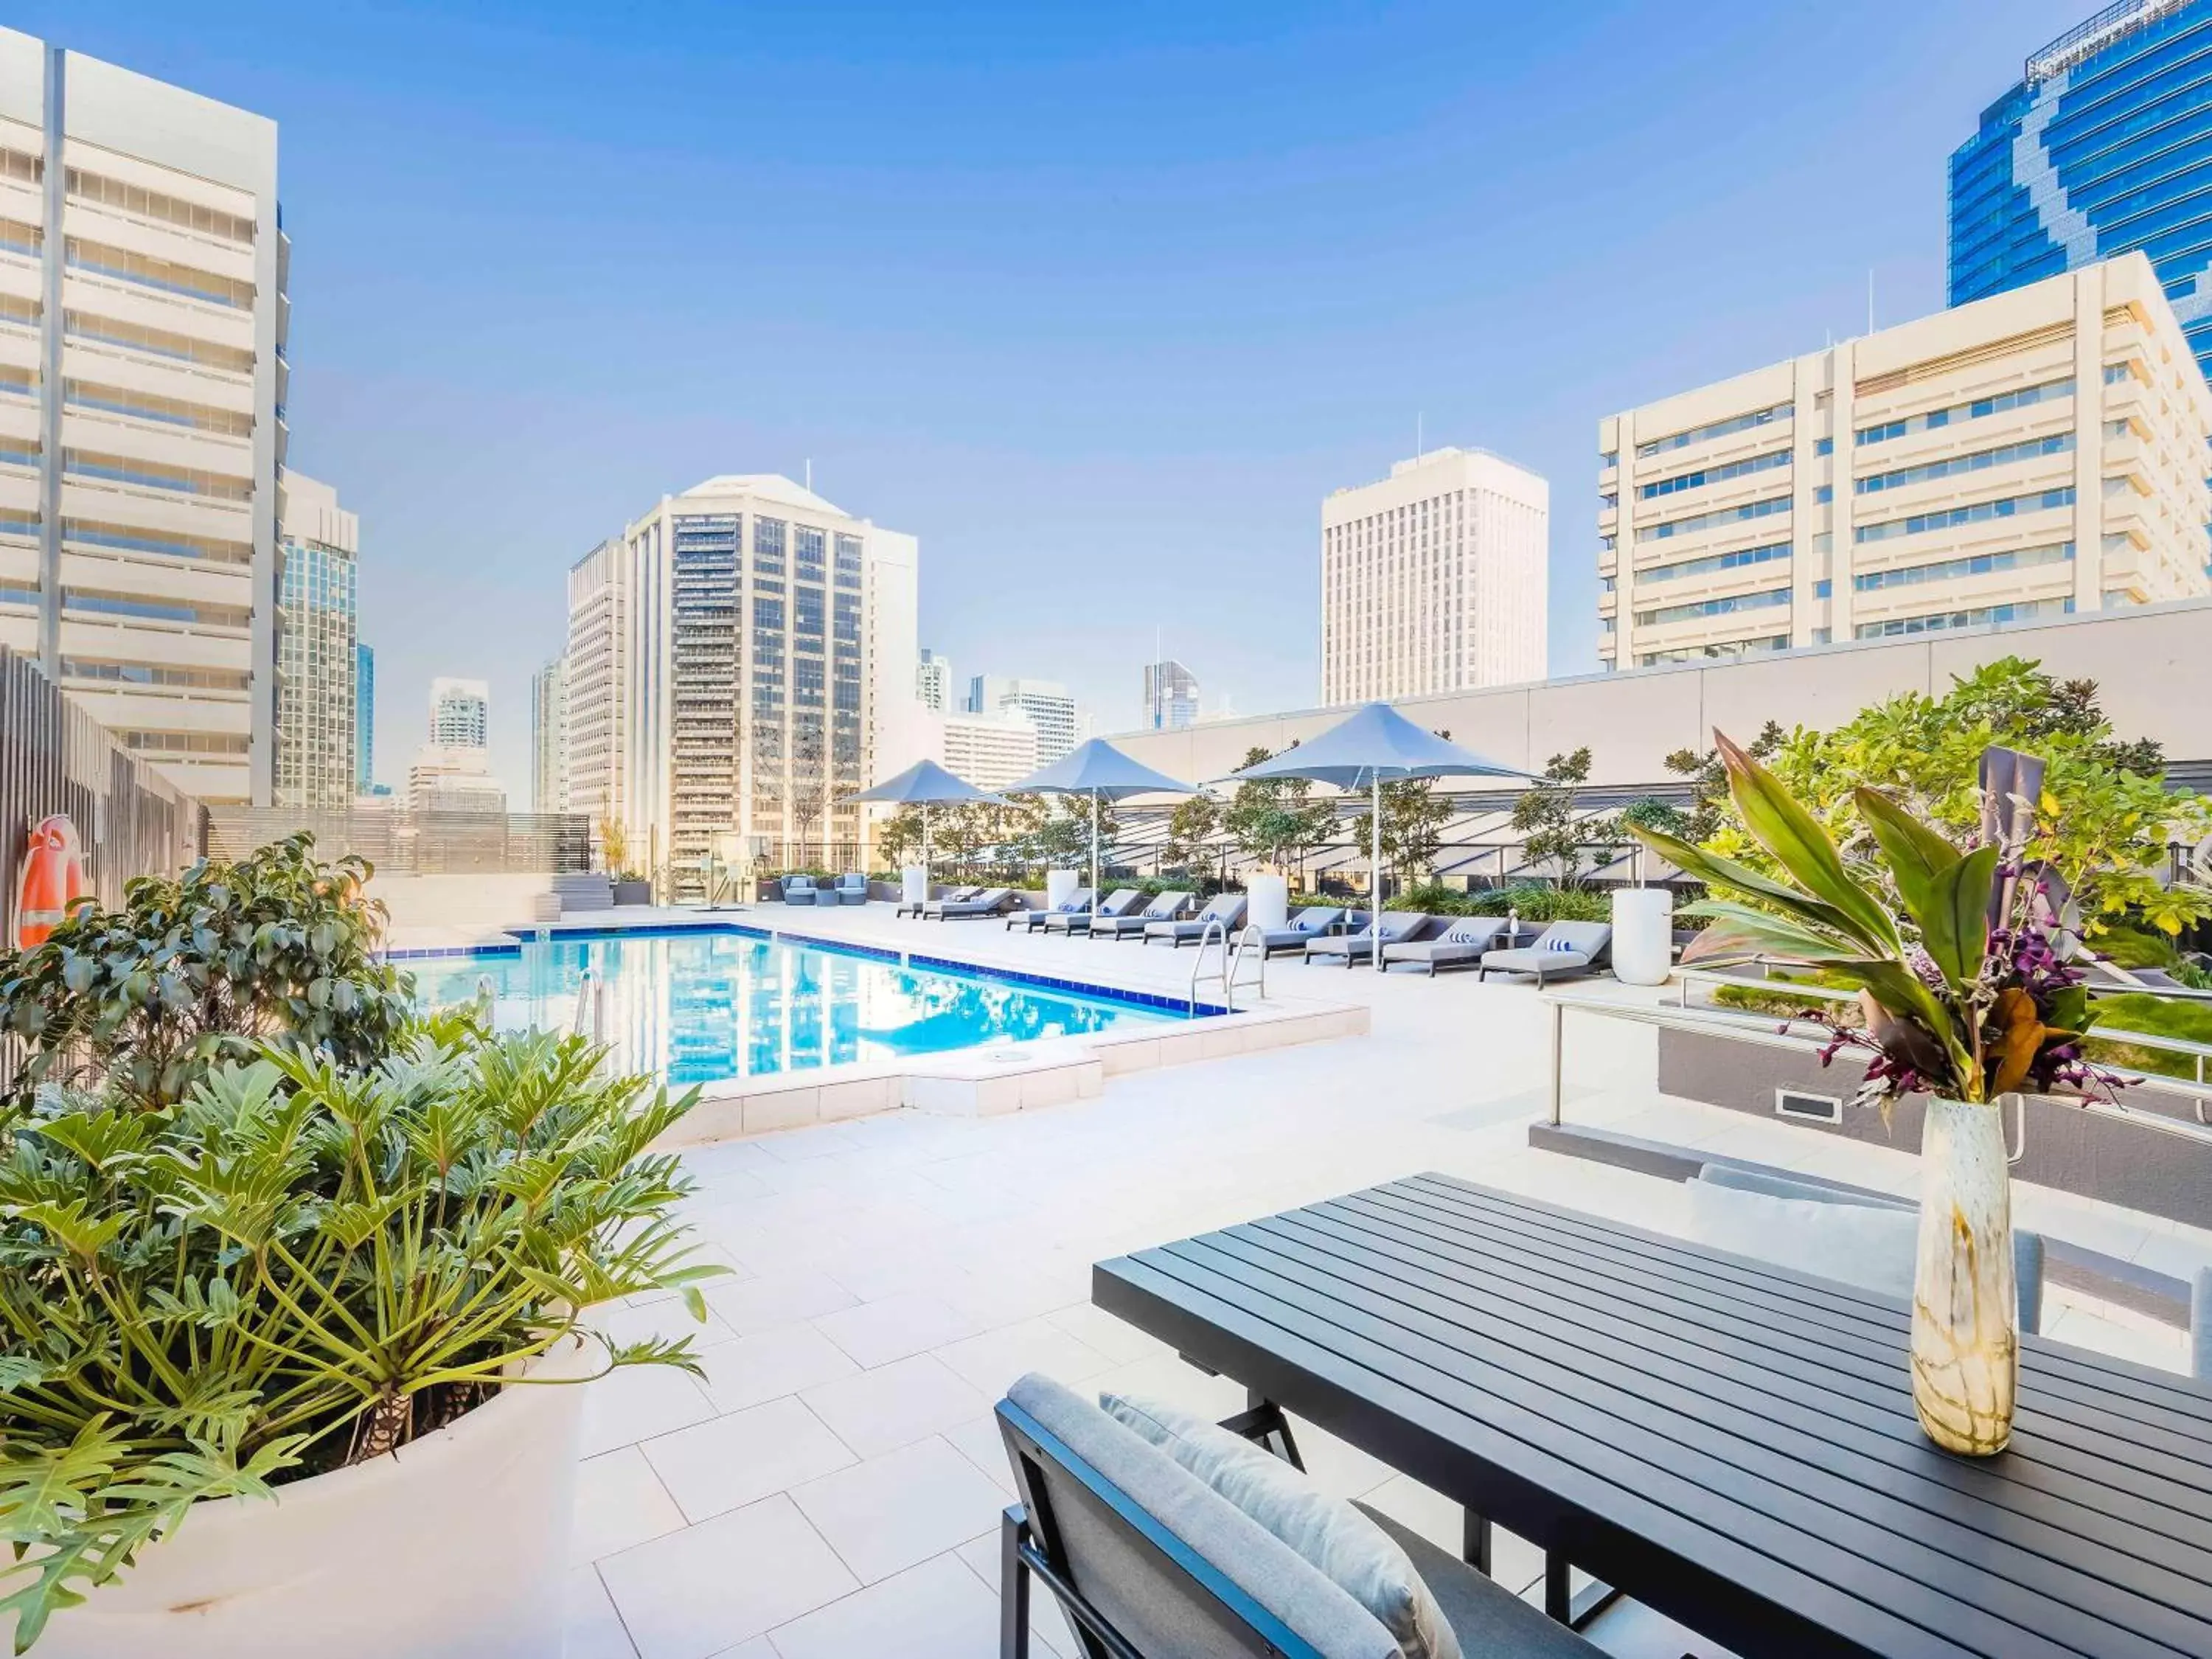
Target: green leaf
point(1798, 843)
point(1954, 917)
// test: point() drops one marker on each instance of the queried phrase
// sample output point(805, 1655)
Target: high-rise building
point(460, 714)
point(364, 719)
point(989, 750)
point(933, 682)
point(2099, 150)
point(318, 647)
point(142, 317)
point(1170, 696)
point(2029, 455)
point(758, 647)
point(1046, 703)
point(548, 791)
point(1435, 579)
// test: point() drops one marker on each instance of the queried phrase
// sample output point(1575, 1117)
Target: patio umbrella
point(926, 784)
point(1375, 745)
point(1098, 769)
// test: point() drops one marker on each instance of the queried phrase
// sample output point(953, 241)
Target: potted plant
point(632, 887)
point(1960, 958)
point(279, 1263)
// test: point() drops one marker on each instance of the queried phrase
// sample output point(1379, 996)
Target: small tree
point(899, 837)
point(1551, 832)
point(1710, 808)
point(613, 846)
point(1414, 820)
point(1275, 820)
point(1193, 833)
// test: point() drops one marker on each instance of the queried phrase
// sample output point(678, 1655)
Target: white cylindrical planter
point(914, 885)
point(1643, 934)
point(1266, 900)
point(1059, 887)
point(455, 1547)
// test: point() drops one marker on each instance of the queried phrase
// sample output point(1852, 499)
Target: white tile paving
point(833, 1487)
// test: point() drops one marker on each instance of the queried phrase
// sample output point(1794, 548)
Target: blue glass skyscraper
point(2104, 147)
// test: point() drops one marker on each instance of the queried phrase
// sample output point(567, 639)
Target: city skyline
point(1203, 421)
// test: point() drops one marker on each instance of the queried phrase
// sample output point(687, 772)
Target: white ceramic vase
point(914, 885)
point(1966, 1305)
point(1266, 900)
point(1643, 935)
point(1059, 887)
point(453, 1547)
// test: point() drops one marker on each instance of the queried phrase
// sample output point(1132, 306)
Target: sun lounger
point(1398, 926)
point(906, 909)
point(988, 903)
point(1562, 949)
point(1118, 902)
point(1461, 944)
point(1029, 920)
point(1164, 907)
point(1227, 908)
point(1309, 923)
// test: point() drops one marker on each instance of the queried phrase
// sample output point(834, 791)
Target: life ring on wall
point(51, 879)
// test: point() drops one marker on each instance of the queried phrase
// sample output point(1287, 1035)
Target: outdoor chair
point(1164, 907)
point(1802, 1225)
point(1563, 948)
point(1309, 923)
point(988, 903)
point(1397, 926)
point(852, 889)
point(798, 889)
point(916, 909)
point(1227, 908)
point(1461, 944)
point(1147, 1561)
point(1118, 902)
point(1029, 920)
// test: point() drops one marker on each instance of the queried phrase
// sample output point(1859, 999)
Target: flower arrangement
point(1960, 956)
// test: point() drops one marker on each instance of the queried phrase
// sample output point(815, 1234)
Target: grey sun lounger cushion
point(1462, 944)
point(1309, 923)
point(1029, 920)
point(1164, 907)
point(1227, 908)
point(988, 903)
point(1565, 947)
point(1115, 903)
point(1397, 927)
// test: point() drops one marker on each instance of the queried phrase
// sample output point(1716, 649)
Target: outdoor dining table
point(1732, 1443)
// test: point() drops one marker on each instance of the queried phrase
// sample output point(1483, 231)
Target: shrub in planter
point(194, 969)
point(300, 1267)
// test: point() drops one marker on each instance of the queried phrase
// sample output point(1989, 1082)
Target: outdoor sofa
point(1227, 908)
point(1563, 948)
point(1397, 926)
point(1149, 1557)
point(1115, 903)
point(1164, 907)
point(988, 903)
point(1461, 944)
point(1029, 920)
point(1309, 923)
point(916, 908)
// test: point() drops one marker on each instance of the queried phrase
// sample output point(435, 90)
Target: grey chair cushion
point(1327, 1531)
point(1488, 1618)
point(1149, 1604)
point(1852, 1243)
point(1529, 957)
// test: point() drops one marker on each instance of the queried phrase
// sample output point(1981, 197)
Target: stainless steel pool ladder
point(590, 1019)
point(1231, 962)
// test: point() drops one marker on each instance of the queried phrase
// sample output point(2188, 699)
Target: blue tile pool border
point(911, 959)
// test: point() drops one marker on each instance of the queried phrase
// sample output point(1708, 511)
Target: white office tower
point(549, 788)
point(460, 714)
point(1435, 579)
point(317, 648)
point(1170, 696)
point(142, 398)
point(2030, 455)
point(453, 772)
point(933, 682)
point(1047, 704)
point(750, 651)
point(989, 750)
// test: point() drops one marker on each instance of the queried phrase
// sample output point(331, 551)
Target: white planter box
point(1266, 900)
point(914, 885)
point(1059, 887)
point(1643, 935)
point(454, 1547)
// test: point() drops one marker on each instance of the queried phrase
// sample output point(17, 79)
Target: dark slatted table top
point(1729, 1442)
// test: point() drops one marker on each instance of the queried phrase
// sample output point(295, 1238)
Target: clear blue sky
point(1099, 301)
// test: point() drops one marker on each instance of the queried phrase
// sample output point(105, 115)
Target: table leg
point(1558, 1599)
point(1474, 1548)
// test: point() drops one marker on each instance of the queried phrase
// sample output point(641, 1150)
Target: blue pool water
point(698, 1005)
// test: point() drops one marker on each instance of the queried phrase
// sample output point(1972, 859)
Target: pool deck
point(832, 1485)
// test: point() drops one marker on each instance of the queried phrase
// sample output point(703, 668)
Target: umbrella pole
point(925, 851)
point(1375, 879)
point(1094, 858)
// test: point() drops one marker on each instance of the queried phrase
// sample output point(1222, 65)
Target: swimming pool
point(703, 1005)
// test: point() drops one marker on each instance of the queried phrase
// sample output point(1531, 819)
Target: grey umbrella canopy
point(1376, 745)
point(926, 784)
point(1098, 769)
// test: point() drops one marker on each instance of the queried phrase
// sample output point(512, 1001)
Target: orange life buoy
point(51, 880)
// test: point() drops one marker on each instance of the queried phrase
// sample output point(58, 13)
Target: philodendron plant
point(300, 1265)
point(1959, 962)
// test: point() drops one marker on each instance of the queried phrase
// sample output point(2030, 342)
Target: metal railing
point(2085, 40)
point(1214, 932)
